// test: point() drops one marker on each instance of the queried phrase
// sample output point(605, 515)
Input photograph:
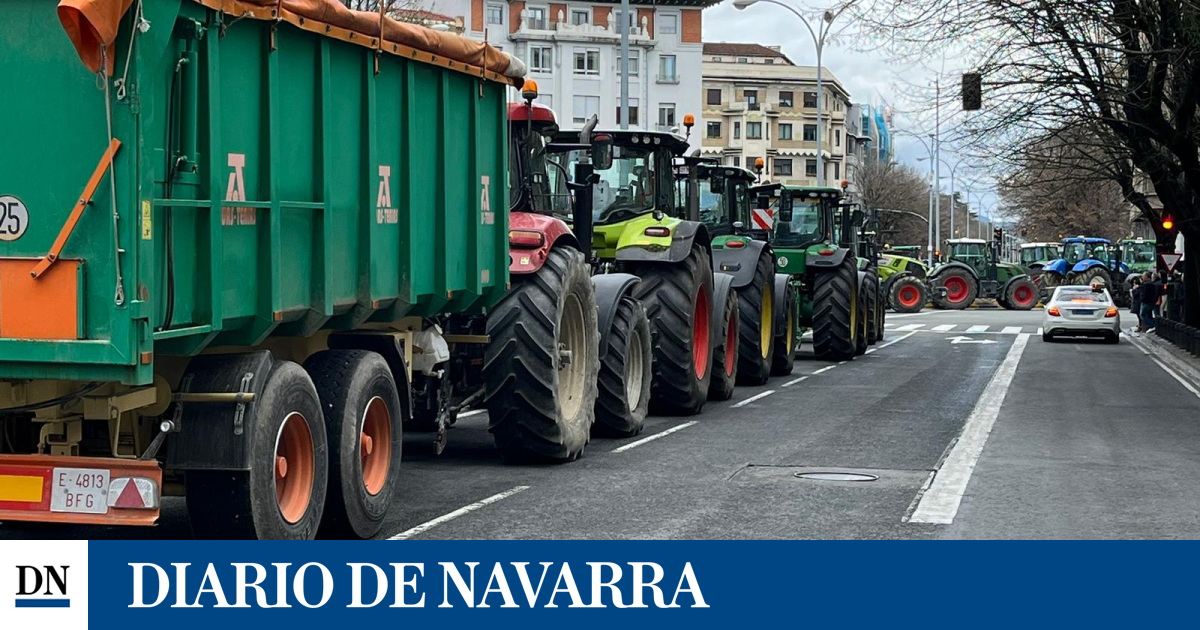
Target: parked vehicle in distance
point(1077, 311)
point(903, 279)
point(1085, 259)
point(974, 271)
point(1034, 256)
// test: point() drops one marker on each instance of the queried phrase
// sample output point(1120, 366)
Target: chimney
point(775, 48)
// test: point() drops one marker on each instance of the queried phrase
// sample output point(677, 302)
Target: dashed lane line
point(464, 510)
point(977, 329)
point(908, 327)
point(468, 414)
point(622, 449)
point(753, 398)
point(944, 327)
point(795, 381)
point(1011, 330)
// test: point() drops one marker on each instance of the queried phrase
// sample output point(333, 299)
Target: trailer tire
point(363, 420)
point(908, 295)
point(835, 312)
point(678, 301)
point(1021, 295)
point(725, 336)
point(624, 380)
point(288, 442)
point(783, 361)
point(541, 402)
point(756, 313)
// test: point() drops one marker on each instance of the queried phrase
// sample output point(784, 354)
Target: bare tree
point(901, 196)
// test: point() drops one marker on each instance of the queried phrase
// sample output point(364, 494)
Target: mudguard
point(611, 288)
point(1085, 264)
point(933, 275)
point(1058, 266)
point(682, 237)
point(217, 436)
point(1004, 287)
point(826, 262)
point(722, 285)
point(886, 285)
point(741, 262)
point(555, 231)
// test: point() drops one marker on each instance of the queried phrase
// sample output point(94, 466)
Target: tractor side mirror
point(717, 184)
point(785, 208)
point(857, 218)
point(602, 152)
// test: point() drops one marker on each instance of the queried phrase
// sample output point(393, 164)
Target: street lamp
point(953, 171)
point(929, 249)
point(819, 36)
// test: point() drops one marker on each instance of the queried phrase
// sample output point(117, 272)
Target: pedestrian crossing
point(974, 329)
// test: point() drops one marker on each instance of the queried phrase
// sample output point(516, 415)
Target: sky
point(869, 76)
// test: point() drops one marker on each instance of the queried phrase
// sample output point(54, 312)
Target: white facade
point(573, 52)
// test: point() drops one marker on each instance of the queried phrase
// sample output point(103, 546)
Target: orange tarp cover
point(92, 23)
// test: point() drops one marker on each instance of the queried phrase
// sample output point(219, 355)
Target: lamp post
point(929, 231)
point(953, 172)
point(819, 36)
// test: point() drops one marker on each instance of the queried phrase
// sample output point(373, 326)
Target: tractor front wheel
point(756, 338)
point(836, 312)
point(624, 381)
point(1022, 295)
point(908, 295)
point(725, 336)
point(783, 361)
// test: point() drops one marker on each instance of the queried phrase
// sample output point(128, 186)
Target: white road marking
point(823, 370)
point(795, 380)
point(908, 327)
point(977, 329)
point(1039, 331)
point(622, 449)
point(944, 327)
point(896, 340)
point(929, 312)
point(473, 412)
point(1150, 350)
point(1011, 330)
point(939, 504)
point(964, 339)
point(754, 398)
point(466, 509)
point(1176, 376)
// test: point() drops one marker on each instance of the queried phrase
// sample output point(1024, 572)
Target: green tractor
point(903, 279)
point(1140, 254)
point(640, 230)
point(742, 250)
point(816, 241)
point(974, 271)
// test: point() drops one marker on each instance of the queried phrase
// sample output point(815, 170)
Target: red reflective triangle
point(130, 497)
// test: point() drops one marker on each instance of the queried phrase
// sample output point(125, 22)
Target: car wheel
point(1047, 337)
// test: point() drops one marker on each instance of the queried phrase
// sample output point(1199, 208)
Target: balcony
point(667, 78)
point(556, 28)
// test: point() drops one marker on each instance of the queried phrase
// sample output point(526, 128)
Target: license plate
point(79, 490)
point(1083, 312)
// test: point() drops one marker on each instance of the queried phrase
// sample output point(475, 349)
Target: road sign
point(1170, 261)
point(764, 218)
point(961, 339)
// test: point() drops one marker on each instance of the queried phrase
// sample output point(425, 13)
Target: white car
point(1082, 311)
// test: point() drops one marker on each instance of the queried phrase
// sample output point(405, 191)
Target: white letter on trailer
point(164, 585)
point(502, 588)
point(450, 572)
point(571, 589)
point(598, 584)
point(398, 569)
point(326, 585)
point(281, 584)
point(693, 587)
point(381, 584)
point(181, 586)
point(210, 578)
point(639, 584)
point(242, 585)
point(523, 575)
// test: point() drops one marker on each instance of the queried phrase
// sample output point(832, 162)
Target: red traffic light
point(1168, 223)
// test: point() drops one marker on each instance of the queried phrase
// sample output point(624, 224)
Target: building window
point(810, 168)
point(540, 58)
point(735, 161)
point(587, 61)
point(810, 100)
point(546, 99)
point(633, 111)
point(743, 60)
point(716, 58)
point(785, 131)
point(536, 17)
point(666, 68)
point(495, 14)
point(837, 139)
point(769, 60)
point(810, 133)
point(584, 107)
point(752, 162)
point(714, 97)
point(666, 114)
point(753, 130)
point(737, 130)
point(714, 130)
point(786, 99)
point(668, 24)
point(635, 62)
point(837, 170)
point(580, 16)
point(751, 97)
point(782, 168)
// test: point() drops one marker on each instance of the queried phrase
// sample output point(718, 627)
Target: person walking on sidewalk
point(1135, 300)
point(1151, 292)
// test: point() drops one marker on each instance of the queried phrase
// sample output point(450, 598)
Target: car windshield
point(714, 211)
point(1139, 252)
point(1030, 255)
point(967, 250)
point(805, 226)
point(1082, 295)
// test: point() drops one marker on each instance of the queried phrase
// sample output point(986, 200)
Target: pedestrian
point(1135, 300)
point(1151, 292)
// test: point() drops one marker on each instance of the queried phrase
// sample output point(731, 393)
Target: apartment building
point(758, 103)
point(868, 138)
point(573, 52)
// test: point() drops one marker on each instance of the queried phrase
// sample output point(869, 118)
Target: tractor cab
point(722, 195)
point(973, 252)
point(807, 216)
point(1139, 253)
point(1077, 250)
point(1034, 256)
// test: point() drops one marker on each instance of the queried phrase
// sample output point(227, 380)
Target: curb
point(1178, 360)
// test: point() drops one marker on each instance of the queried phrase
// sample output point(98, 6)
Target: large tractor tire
point(835, 312)
point(873, 305)
point(624, 398)
point(961, 289)
point(1021, 295)
point(1048, 282)
point(725, 339)
point(282, 496)
point(864, 326)
point(540, 367)
point(363, 420)
point(678, 299)
point(908, 295)
point(783, 361)
point(1087, 277)
point(756, 337)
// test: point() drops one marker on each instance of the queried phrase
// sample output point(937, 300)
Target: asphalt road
point(973, 426)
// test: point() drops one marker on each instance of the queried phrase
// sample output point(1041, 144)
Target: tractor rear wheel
point(725, 350)
point(835, 312)
point(756, 339)
point(960, 289)
point(624, 398)
point(1088, 277)
point(678, 301)
point(783, 361)
point(539, 369)
point(1022, 295)
point(908, 295)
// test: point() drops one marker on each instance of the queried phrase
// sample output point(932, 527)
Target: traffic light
point(1168, 223)
point(998, 234)
point(972, 91)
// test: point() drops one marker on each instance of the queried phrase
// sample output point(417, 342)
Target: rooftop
point(744, 50)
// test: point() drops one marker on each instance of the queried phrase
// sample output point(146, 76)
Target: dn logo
point(42, 587)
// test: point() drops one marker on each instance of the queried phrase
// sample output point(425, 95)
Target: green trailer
point(234, 251)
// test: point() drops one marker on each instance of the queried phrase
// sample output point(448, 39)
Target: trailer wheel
point(756, 312)
point(678, 301)
point(725, 333)
point(282, 496)
point(908, 295)
point(363, 420)
point(835, 312)
point(540, 367)
point(783, 361)
point(960, 289)
point(624, 380)
point(1022, 295)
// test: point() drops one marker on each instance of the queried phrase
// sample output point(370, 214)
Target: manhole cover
point(836, 476)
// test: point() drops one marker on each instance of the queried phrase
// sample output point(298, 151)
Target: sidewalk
point(1185, 366)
